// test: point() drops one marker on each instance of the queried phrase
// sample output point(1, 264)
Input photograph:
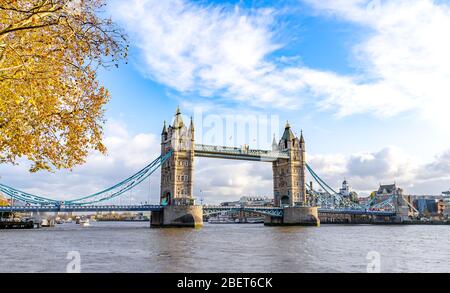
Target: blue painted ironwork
point(270, 211)
point(98, 197)
point(247, 154)
point(80, 208)
point(330, 200)
point(26, 197)
point(123, 186)
point(327, 202)
point(278, 212)
point(357, 212)
point(207, 210)
point(388, 204)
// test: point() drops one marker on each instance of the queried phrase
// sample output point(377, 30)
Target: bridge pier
point(190, 216)
point(295, 216)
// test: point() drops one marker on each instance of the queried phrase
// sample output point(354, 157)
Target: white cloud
point(439, 169)
point(366, 170)
point(405, 53)
point(216, 50)
point(225, 180)
point(127, 154)
point(388, 163)
point(207, 49)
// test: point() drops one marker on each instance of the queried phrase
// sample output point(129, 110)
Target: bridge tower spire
point(164, 132)
point(192, 129)
point(302, 170)
point(274, 144)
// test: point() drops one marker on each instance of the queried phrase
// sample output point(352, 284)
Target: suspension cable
point(123, 186)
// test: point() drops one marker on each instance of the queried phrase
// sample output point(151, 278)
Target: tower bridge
point(295, 203)
point(177, 174)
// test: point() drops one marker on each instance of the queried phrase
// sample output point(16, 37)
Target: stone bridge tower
point(289, 177)
point(179, 209)
point(178, 171)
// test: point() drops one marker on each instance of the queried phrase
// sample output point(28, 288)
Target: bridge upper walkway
point(223, 152)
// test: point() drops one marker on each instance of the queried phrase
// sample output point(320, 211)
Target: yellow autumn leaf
point(51, 105)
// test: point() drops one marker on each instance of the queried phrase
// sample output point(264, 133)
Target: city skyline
point(328, 68)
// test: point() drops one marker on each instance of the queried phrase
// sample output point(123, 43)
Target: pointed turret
point(192, 130)
point(302, 196)
point(164, 130)
point(191, 125)
point(288, 135)
point(274, 143)
point(178, 122)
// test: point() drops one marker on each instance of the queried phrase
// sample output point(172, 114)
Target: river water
point(134, 247)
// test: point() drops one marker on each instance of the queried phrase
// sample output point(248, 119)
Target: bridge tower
point(289, 183)
point(402, 207)
point(289, 177)
point(177, 172)
point(177, 177)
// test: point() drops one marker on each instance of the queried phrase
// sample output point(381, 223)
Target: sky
point(366, 81)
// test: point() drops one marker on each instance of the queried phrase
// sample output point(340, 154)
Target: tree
point(51, 104)
point(354, 197)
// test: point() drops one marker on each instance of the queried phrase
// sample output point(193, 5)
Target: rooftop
point(389, 188)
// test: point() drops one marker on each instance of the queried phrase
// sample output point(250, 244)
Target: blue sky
point(315, 41)
point(367, 81)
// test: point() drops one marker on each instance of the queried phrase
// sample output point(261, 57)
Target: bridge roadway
point(208, 210)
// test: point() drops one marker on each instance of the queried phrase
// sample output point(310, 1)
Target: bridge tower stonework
point(177, 172)
point(289, 183)
point(177, 177)
point(289, 177)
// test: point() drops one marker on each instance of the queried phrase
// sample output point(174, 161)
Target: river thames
point(134, 247)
